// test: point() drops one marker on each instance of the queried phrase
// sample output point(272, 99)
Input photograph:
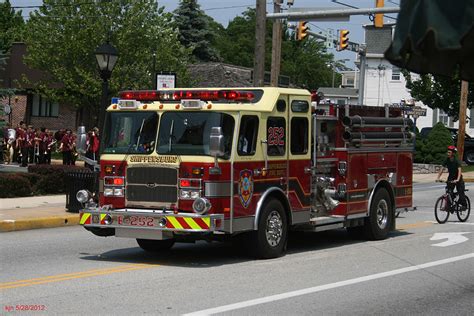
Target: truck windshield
point(187, 133)
point(130, 132)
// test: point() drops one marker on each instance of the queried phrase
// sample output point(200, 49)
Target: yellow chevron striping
point(102, 216)
point(207, 220)
point(192, 223)
point(174, 222)
point(84, 218)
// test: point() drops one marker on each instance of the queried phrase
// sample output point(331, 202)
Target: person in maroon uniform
point(21, 144)
point(66, 147)
point(50, 141)
point(93, 144)
point(30, 143)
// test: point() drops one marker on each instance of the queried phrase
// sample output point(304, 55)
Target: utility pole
point(276, 45)
point(259, 62)
point(362, 53)
point(462, 118)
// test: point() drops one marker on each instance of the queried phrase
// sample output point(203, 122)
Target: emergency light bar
point(225, 96)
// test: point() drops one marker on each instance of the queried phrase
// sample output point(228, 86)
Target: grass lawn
point(467, 168)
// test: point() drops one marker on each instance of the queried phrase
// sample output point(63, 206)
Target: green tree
point(435, 146)
point(305, 62)
point(11, 26)
point(195, 31)
point(63, 35)
point(438, 92)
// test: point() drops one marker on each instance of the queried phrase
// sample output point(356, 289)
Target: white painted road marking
point(452, 239)
point(277, 297)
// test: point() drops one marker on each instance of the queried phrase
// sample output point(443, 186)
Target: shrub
point(53, 178)
point(14, 185)
point(435, 146)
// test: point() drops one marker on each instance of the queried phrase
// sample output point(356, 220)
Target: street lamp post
point(106, 56)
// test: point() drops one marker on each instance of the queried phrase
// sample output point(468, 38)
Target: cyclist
point(454, 175)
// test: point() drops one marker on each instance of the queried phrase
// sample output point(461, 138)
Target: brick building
point(28, 106)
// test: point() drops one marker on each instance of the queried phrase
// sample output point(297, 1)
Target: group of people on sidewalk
point(27, 145)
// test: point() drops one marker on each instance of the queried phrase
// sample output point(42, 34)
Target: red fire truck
point(207, 164)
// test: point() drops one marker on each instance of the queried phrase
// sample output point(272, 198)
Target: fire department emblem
point(245, 187)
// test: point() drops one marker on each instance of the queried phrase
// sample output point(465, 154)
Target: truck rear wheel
point(155, 245)
point(379, 222)
point(270, 239)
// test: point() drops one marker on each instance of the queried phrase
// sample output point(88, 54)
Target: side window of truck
point(247, 135)
point(276, 136)
point(299, 135)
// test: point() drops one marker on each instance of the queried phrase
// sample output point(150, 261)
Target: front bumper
point(151, 220)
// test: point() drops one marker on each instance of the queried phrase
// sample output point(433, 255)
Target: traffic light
point(343, 39)
point(378, 20)
point(302, 30)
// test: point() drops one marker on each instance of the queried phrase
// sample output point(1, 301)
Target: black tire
point(441, 210)
point(469, 157)
point(151, 245)
point(464, 215)
point(271, 237)
point(381, 217)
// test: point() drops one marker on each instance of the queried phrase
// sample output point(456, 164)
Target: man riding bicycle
point(454, 175)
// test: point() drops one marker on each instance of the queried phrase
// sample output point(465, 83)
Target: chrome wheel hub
point(382, 214)
point(274, 229)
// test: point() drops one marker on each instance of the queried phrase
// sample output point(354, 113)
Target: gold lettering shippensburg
point(154, 159)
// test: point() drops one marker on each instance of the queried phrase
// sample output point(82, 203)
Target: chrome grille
point(152, 185)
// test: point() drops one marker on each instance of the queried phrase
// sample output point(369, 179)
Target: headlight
point(108, 192)
point(118, 192)
point(189, 194)
point(201, 205)
point(83, 196)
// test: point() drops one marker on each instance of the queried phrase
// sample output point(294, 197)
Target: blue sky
point(224, 11)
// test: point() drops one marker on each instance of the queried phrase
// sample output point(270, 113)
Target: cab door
point(299, 155)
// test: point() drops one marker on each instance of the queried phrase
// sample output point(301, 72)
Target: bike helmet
point(452, 148)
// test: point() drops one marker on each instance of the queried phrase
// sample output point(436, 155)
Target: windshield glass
point(130, 132)
point(187, 133)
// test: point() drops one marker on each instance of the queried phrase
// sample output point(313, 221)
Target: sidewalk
point(49, 210)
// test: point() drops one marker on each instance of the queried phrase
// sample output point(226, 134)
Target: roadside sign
point(416, 111)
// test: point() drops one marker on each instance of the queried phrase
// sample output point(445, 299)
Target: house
point(385, 84)
point(28, 106)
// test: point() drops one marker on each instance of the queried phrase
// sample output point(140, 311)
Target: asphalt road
point(70, 271)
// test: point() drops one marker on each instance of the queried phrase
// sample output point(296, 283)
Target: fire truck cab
point(208, 164)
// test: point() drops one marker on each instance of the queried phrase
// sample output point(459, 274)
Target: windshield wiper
point(140, 135)
point(170, 140)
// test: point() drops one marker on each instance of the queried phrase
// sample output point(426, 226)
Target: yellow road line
point(414, 225)
point(70, 276)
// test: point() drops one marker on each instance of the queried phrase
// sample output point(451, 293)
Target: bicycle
point(449, 203)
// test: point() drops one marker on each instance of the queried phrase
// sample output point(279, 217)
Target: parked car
point(468, 142)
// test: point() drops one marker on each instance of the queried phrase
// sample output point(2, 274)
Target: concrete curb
point(41, 222)
point(469, 180)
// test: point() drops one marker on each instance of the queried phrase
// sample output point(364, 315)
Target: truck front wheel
point(379, 222)
point(155, 245)
point(270, 239)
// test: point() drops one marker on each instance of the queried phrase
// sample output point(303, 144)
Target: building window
point(341, 102)
point(395, 74)
point(43, 107)
point(443, 117)
point(350, 82)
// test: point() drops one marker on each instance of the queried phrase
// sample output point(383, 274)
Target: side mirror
point(216, 142)
point(81, 140)
point(216, 148)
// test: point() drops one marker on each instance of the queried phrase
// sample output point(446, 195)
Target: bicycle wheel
point(441, 210)
point(464, 215)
